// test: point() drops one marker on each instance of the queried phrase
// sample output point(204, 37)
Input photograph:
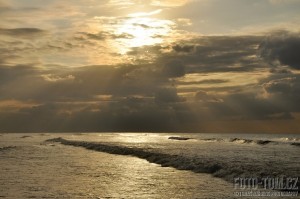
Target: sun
point(144, 30)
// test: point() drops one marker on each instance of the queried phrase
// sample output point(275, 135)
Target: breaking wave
point(291, 141)
point(26, 136)
point(236, 140)
point(217, 168)
point(165, 160)
point(7, 148)
point(179, 138)
point(295, 144)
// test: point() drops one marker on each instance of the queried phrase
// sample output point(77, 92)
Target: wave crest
point(194, 164)
point(7, 148)
point(250, 141)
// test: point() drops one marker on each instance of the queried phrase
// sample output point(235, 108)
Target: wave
point(250, 141)
point(296, 144)
point(290, 139)
point(7, 148)
point(237, 140)
point(26, 136)
point(213, 140)
point(247, 141)
point(165, 160)
point(217, 168)
point(178, 138)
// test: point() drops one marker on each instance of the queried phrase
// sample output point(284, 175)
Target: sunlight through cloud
point(145, 31)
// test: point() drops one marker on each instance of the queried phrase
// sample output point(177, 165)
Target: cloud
point(184, 48)
point(26, 82)
point(129, 114)
point(245, 106)
point(141, 25)
point(215, 72)
point(167, 95)
point(157, 3)
point(169, 3)
point(75, 69)
point(107, 35)
point(174, 68)
point(53, 78)
point(14, 105)
point(71, 104)
point(276, 2)
point(56, 93)
point(23, 32)
point(145, 14)
point(4, 4)
point(9, 74)
point(203, 96)
point(283, 85)
point(203, 54)
point(282, 48)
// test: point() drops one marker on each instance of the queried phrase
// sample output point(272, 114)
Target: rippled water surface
point(32, 167)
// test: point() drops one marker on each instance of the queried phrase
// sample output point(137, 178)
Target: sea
point(149, 165)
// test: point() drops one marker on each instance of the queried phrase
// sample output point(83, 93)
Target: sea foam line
point(165, 160)
point(194, 164)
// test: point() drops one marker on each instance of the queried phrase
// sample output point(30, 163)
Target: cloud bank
point(118, 71)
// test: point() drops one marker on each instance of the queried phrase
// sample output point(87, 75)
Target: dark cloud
point(146, 96)
point(142, 99)
point(183, 48)
point(107, 35)
point(23, 32)
point(142, 25)
point(280, 70)
point(282, 47)
point(129, 114)
point(206, 97)
point(25, 82)
point(278, 99)
point(206, 81)
point(29, 82)
point(164, 113)
point(283, 85)
point(166, 87)
point(167, 95)
point(10, 74)
point(217, 54)
point(174, 68)
point(283, 90)
point(245, 106)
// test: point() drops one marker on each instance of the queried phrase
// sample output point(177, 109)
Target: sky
point(202, 66)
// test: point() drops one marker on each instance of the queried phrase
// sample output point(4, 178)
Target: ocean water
point(143, 165)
